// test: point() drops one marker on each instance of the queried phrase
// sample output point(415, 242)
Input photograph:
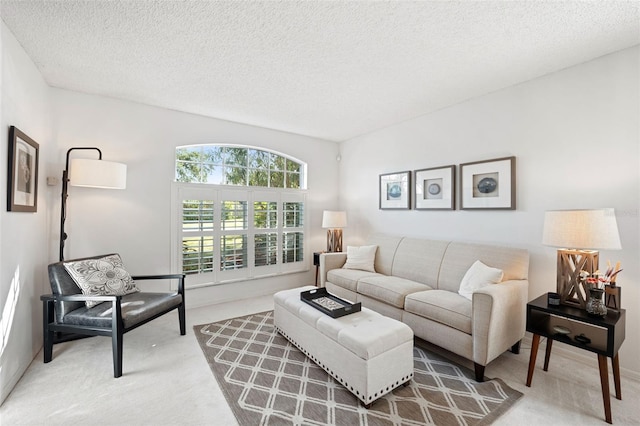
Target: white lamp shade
point(581, 229)
point(97, 174)
point(334, 219)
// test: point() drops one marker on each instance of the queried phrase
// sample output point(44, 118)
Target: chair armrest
point(179, 277)
point(77, 298)
point(498, 319)
point(329, 261)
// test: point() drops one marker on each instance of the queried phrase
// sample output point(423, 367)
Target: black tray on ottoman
point(329, 304)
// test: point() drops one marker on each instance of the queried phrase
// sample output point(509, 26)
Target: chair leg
point(181, 318)
point(117, 353)
point(116, 338)
point(47, 318)
point(516, 347)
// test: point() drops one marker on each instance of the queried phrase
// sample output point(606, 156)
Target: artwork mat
point(446, 175)
point(506, 185)
point(22, 179)
point(400, 178)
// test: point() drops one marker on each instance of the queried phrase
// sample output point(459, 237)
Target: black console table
point(603, 336)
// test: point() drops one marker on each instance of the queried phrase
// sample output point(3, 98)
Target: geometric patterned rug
point(268, 381)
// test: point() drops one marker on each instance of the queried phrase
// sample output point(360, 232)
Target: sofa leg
point(479, 370)
point(516, 347)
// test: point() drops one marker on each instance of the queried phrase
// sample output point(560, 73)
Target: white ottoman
point(368, 353)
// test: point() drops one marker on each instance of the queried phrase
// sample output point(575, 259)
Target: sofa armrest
point(499, 318)
point(329, 261)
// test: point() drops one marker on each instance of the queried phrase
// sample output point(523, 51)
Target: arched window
point(239, 213)
point(232, 165)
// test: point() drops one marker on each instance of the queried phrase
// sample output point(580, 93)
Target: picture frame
point(22, 170)
point(395, 191)
point(488, 184)
point(434, 188)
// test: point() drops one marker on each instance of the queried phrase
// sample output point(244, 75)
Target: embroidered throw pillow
point(361, 258)
point(104, 276)
point(479, 275)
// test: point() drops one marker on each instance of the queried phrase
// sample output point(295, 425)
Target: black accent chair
point(66, 317)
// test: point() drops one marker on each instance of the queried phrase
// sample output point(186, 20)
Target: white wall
point(576, 138)
point(23, 251)
point(136, 222)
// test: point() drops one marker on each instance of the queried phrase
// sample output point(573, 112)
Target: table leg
point(535, 342)
point(615, 364)
point(547, 354)
point(604, 383)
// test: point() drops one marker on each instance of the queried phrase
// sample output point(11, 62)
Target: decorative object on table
point(395, 191)
point(89, 173)
point(595, 303)
point(597, 284)
point(489, 184)
point(579, 234)
point(553, 299)
point(434, 189)
point(22, 173)
point(612, 297)
point(561, 330)
point(333, 222)
point(328, 303)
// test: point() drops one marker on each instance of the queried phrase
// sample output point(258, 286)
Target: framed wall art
point(395, 191)
point(22, 180)
point(489, 184)
point(434, 189)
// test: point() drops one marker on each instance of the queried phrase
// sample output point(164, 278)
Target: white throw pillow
point(105, 276)
point(361, 258)
point(478, 276)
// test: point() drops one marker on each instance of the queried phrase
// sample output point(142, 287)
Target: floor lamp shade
point(91, 173)
point(334, 221)
point(579, 234)
point(97, 174)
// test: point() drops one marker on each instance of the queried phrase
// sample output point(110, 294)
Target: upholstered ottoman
point(368, 353)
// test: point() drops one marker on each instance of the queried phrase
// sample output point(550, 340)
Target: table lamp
point(334, 221)
point(580, 234)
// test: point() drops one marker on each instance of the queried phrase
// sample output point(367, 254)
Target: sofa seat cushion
point(389, 289)
point(442, 306)
point(136, 308)
point(348, 278)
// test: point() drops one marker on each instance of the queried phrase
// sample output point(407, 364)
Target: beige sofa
point(416, 281)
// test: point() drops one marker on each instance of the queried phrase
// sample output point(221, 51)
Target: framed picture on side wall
point(395, 191)
point(489, 184)
point(22, 179)
point(434, 189)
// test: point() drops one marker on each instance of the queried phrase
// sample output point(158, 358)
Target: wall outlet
point(52, 181)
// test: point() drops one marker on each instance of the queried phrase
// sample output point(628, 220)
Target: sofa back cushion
point(387, 246)
point(459, 257)
point(419, 260)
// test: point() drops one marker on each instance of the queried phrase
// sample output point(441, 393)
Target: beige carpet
point(268, 381)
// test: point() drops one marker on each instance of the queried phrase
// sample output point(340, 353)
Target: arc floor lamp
point(89, 173)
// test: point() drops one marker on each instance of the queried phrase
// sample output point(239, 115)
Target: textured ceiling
point(333, 70)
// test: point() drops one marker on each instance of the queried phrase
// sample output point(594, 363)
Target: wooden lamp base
point(569, 286)
point(334, 240)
